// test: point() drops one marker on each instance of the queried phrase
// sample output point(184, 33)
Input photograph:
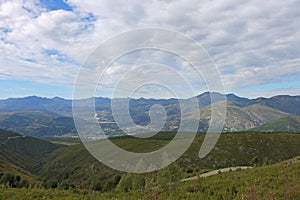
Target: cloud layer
point(252, 43)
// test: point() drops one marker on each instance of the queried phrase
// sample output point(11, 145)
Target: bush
point(64, 185)
point(96, 185)
point(189, 188)
point(13, 181)
point(125, 184)
point(109, 186)
point(47, 184)
point(7, 179)
point(117, 179)
point(24, 184)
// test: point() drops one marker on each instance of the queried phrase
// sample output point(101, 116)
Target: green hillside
point(14, 168)
point(278, 181)
point(10, 156)
point(25, 145)
point(287, 124)
point(31, 147)
point(4, 135)
point(23, 151)
point(76, 166)
point(13, 162)
point(20, 156)
point(70, 172)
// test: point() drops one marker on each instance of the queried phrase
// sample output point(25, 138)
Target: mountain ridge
point(242, 113)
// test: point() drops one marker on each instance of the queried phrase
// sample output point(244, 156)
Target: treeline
point(12, 181)
point(152, 185)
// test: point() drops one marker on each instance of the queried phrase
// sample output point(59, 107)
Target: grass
point(278, 181)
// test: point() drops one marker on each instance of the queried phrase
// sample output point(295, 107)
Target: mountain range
point(37, 116)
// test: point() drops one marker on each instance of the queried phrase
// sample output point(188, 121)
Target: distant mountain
point(30, 103)
point(34, 103)
point(38, 116)
point(242, 118)
point(208, 98)
point(285, 103)
point(286, 124)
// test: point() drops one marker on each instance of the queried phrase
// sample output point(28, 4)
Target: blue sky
point(43, 43)
point(25, 88)
point(56, 5)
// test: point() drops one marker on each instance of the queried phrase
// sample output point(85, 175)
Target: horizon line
point(71, 99)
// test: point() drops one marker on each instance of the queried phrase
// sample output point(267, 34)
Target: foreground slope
point(76, 166)
point(277, 181)
point(13, 162)
point(24, 151)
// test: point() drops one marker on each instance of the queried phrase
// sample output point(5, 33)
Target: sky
point(255, 45)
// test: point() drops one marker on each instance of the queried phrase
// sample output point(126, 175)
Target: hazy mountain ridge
point(38, 116)
point(284, 103)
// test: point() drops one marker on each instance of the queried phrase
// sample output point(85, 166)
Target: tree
point(125, 184)
point(64, 185)
point(24, 184)
point(168, 179)
point(7, 179)
point(109, 186)
point(96, 185)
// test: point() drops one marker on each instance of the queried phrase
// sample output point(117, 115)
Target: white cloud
point(251, 42)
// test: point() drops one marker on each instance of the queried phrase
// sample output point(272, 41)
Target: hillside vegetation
point(287, 124)
point(278, 181)
point(76, 166)
point(70, 172)
point(20, 156)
